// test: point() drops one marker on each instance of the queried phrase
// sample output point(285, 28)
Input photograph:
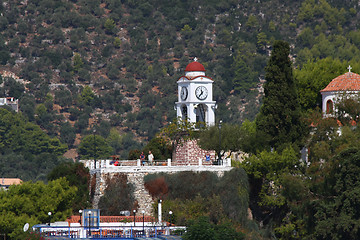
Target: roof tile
point(348, 81)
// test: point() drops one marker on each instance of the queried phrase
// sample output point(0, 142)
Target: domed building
point(348, 83)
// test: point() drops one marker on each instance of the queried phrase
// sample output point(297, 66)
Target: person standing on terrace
point(151, 158)
point(142, 158)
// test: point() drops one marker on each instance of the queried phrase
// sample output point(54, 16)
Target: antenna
point(26, 227)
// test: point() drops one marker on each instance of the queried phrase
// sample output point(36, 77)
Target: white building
point(11, 102)
point(347, 84)
point(195, 95)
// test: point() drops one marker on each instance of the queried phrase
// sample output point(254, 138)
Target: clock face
point(201, 92)
point(184, 93)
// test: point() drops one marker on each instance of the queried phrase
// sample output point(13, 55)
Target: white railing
point(157, 163)
point(108, 231)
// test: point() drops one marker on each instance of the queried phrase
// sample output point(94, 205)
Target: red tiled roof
point(192, 78)
point(195, 67)
point(10, 181)
point(109, 219)
point(348, 81)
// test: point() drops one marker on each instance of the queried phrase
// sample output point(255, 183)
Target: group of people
point(116, 162)
point(150, 158)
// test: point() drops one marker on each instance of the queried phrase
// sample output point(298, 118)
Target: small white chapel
point(348, 83)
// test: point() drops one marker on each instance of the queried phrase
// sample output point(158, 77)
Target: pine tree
point(278, 122)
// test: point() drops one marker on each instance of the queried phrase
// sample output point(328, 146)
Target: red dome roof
point(348, 81)
point(195, 67)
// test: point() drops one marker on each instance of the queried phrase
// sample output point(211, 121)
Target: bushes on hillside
point(190, 194)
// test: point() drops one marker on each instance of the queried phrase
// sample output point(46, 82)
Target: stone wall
point(135, 176)
point(189, 153)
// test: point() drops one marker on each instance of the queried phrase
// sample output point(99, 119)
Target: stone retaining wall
point(135, 176)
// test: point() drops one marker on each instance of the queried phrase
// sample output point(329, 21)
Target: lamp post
point(49, 213)
point(143, 213)
point(89, 221)
point(94, 131)
point(170, 217)
point(80, 213)
point(219, 153)
point(134, 211)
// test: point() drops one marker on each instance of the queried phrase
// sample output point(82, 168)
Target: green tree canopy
point(339, 206)
point(115, 140)
point(110, 26)
point(118, 196)
point(30, 202)
point(279, 120)
point(233, 138)
point(315, 76)
point(159, 149)
point(230, 138)
point(87, 96)
point(77, 175)
point(177, 131)
point(94, 146)
point(188, 200)
point(18, 135)
point(203, 229)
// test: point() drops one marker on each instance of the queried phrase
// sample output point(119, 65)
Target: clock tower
point(195, 95)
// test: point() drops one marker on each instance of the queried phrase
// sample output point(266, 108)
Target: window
point(329, 107)
point(184, 113)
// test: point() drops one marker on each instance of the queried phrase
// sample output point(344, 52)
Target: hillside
point(114, 64)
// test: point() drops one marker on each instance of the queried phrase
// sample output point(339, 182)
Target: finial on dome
point(349, 68)
point(195, 59)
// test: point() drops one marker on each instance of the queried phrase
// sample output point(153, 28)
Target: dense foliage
point(77, 175)
point(220, 199)
point(230, 138)
point(30, 203)
point(118, 196)
point(27, 152)
point(94, 147)
point(279, 120)
point(202, 229)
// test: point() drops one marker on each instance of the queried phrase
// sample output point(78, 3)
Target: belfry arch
point(201, 113)
point(184, 112)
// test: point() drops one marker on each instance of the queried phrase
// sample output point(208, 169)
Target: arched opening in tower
point(201, 112)
point(184, 112)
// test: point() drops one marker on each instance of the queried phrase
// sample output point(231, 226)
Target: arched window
point(329, 107)
point(184, 111)
point(201, 111)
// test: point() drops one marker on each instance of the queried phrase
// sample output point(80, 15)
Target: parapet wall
point(135, 176)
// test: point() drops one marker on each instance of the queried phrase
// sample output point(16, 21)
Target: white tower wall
point(198, 100)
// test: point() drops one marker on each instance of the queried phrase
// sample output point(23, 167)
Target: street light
point(94, 131)
point(134, 211)
point(170, 218)
point(219, 153)
point(143, 213)
point(80, 213)
point(89, 221)
point(49, 213)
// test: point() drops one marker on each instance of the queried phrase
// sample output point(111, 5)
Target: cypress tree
point(278, 122)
